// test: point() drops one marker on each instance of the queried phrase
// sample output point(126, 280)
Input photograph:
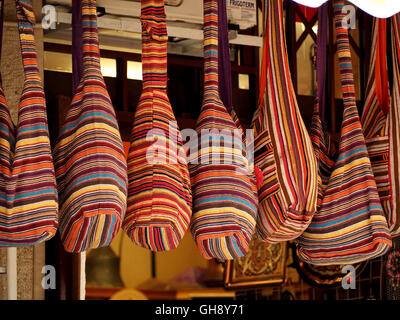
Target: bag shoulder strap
point(224, 61)
point(381, 68)
point(90, 40)
point(210, 29)
point(154, 44)
point(77, 52)
point(345, 61)
point(26, 22)
point(320, 105)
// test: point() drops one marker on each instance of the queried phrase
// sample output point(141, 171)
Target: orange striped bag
point(28, 194)
point(224, 196)
point(89, 154)
point(379, 125)
point(282, 146)
point(159, 194)
point(349, 226)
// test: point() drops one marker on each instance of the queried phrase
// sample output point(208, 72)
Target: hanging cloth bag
point(224, 197)
point(28, 193)
point(282, 147)
point(349, 226)
point(379, 129)
point(159, 196)
point(89, 154)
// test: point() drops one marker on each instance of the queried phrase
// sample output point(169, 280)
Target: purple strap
point(224, 61)
point(321, 58)
point(77, 50)
point(1, 27)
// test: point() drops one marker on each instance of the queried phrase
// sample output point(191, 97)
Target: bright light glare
point(376, 8)
point(135, 70)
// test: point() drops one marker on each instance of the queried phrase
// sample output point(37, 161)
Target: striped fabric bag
point(159, 193)
point(282, 146)
point(89, 155)
point(350, 225)
point(28, 193)
point(224, 197)
point(378, 127)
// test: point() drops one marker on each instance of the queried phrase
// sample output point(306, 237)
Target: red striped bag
point(28, 194)
point(282, 146)
point(224, 197)
point(379, 128)
point(159, 193)
point(349, 226)
point(89, 154)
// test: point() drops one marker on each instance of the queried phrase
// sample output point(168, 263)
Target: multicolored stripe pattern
point(394, 129)
point(159, 191)
point(28, 192)
point(282, 147)
point(89, 155)
point(350, 225)
point(378, 127)
point(224, 197)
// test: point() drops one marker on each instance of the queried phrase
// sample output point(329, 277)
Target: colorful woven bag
point(349, 226)
point(159, 193)
point(224, 197)
point(28, 193)
point(89, 154)
point(282, 146)
point(379, 128)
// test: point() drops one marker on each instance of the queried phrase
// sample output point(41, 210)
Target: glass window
point(108, 67)
point(135, 70)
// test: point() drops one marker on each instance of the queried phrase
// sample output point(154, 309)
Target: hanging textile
point(224, 196)
point(349, 226)
point(28, 192)
point(378, 129)
point(282, 147)
point(159, 194)
point(89, 154)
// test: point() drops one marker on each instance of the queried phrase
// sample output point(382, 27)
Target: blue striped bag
point(89, 155)
point(28, 193)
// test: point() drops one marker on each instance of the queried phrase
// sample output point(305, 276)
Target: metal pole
point(12, 273)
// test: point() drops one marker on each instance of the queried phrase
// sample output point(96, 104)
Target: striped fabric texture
point(282, 146)
point(89, 155)
point(224, 197)
point(28, 193)
point(159, 191)
point(350, 225)
point(394, 136)
point(378, 127)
